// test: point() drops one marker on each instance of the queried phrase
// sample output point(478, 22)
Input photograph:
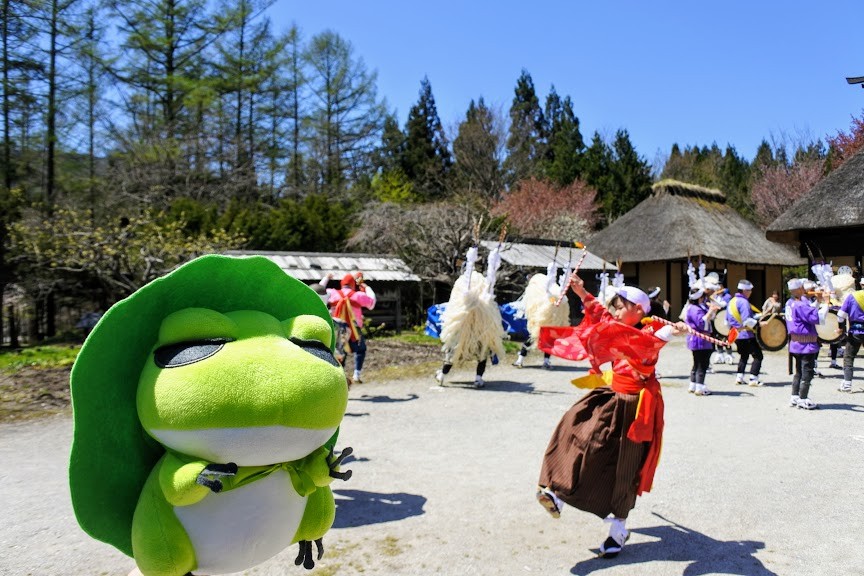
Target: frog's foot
point(304, 556)
point(205, 478)
point(334, 463)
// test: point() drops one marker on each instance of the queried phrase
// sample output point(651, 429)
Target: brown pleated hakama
point(590, 463)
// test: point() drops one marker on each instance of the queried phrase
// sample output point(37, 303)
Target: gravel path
point(444, 483)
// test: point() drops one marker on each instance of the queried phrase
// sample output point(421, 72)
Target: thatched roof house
point(830, 217)
point(654, 240)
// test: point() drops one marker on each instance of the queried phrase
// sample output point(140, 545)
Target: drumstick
point(575, 270)
point(733, 332)
point(764, 321)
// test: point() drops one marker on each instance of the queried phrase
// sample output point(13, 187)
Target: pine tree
point(162, 64)
point(478, 148)
point(427, 160)
point(526, 142)
point(632, 177)
point(345, 116)
point(735, 182)
point(565, 143)
point(247, 57)
point(621, 177)
point(764, 156)
point(597, 171)
point(391, 154)
point(390, 183)
point(294, 84)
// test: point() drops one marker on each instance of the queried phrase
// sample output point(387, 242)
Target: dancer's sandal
point(611, 548)
point(549, 501)
point(618, 535)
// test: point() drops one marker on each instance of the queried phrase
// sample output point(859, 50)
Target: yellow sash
point(859, 298)
point(733, 309)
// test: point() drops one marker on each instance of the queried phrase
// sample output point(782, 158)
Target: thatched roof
point(836, 201)
point(680, 219)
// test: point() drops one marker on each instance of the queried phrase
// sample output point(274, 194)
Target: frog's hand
point(321, 466)
point(304, 555)
point(334, 464)
point(209, 476)
point(178, 480)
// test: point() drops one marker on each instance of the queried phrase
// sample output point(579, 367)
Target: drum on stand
point(828, 332)
point(720, 324)
point(772, 335)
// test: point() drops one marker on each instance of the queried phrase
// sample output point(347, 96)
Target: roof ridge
point(677, 188)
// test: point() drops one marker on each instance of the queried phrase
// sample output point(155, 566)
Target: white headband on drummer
point(745, 285)
point(697, 294)
point(795, 283)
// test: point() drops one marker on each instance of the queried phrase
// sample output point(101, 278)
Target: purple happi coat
point(801, 320)
point(742, 304)
point(696, 319)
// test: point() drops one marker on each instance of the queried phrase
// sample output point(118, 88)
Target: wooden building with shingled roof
point(654, 240)
point(829, 219)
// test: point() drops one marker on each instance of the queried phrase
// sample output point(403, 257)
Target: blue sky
point(688, 72)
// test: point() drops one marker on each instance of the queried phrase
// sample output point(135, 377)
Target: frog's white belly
point(235, 530)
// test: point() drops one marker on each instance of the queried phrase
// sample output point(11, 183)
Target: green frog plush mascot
point(206, 409)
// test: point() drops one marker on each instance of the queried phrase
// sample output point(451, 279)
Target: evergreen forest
point(138, 134)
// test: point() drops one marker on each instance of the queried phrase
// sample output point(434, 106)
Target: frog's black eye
point(316, 348)
point(185, 353)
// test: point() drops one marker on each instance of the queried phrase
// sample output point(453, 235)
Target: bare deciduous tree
point(430, 238)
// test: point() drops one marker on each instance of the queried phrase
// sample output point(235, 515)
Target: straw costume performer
point(605, 449)
point(540, 310)
point(471, 323)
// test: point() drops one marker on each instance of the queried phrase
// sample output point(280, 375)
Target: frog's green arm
point(317, 466)
point(318, 517)
point(178, 480)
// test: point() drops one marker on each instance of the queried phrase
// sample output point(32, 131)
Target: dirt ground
point(35, 392)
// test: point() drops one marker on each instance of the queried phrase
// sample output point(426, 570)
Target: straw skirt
point(590, 463)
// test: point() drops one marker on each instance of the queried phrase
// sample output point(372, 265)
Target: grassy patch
point(50, 356)
point(390, 546)
point(405, 371)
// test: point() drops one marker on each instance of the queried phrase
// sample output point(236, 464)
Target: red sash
point(648, 423)
point(600, 338)
point(344, 312)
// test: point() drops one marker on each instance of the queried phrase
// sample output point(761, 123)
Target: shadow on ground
point(360, 508)
point(499, 386)
point(725, 393)
point(384, 398)
point(556, 368)
point(675, 543)
point(852, 407)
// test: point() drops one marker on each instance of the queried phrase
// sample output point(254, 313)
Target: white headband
point(745, 285)
point(696, 295)
point(794, 284)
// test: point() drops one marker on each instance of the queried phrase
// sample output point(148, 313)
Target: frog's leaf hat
point(112, 455)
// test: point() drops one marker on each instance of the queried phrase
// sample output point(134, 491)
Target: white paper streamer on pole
point(604, 283)
point(691, 275)
point(492, 266)
point(552, 278)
